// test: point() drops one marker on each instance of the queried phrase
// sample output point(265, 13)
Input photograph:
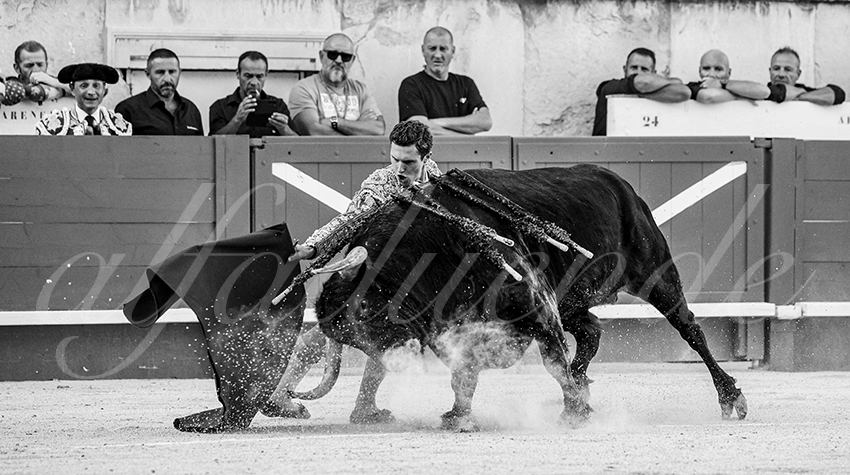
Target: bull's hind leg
point(585, 327)
point(666, 295)
point(555, 354)
point(365, 408)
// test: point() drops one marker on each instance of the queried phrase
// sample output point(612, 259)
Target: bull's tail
point(333, 360)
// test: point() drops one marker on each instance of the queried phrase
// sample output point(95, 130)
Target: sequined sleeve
point(375, 189)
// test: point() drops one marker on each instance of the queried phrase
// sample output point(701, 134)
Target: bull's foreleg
point(587, 332)
point(464, 382)
point(676, 311)
point(309, 350)
point(365, 408)
point(555, 353)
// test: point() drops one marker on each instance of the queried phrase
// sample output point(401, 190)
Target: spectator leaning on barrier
point(640, 79)
point(331, 103)
point(32, 82)
point(715, 84)
point(410, 166)
point(161, 110)
point(784, 72)
point(245, 111)
point(448, 103)
point(87, 82)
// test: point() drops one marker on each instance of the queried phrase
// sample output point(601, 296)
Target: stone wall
point(536, 62)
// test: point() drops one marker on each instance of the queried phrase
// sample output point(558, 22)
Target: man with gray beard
point(331, 103)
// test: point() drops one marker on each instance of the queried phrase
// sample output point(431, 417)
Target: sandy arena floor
point(650, 418)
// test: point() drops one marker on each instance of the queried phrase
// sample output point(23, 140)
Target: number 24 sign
point(650, 121)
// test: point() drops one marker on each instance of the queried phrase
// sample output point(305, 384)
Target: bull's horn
point(333, 359)
point(354, 258)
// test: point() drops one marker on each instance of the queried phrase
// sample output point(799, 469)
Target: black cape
point(230, 284)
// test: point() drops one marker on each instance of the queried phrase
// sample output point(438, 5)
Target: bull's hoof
point(208, 422)
point(458, 422)
point(573, 420)
point(576, 415)
point(739, 405)
point(378, 416)
point(292, 410)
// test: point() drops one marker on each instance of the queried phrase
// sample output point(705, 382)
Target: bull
point(423, 277)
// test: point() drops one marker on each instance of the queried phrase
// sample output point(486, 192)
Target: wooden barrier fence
point(82, 218)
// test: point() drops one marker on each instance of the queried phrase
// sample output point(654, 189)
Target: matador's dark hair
point(413, 132)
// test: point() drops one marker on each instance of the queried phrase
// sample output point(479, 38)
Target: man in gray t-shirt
point(331, 103)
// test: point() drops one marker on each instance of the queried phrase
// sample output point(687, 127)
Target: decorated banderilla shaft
point(526, 222)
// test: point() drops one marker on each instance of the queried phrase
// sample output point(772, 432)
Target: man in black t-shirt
point(639, 79)
point(447, 103)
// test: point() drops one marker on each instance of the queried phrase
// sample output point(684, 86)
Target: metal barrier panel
point(81, 217)
point(822, 260)
point(306, 181)
point(706, 194)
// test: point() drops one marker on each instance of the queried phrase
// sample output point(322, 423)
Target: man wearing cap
point(88, 84)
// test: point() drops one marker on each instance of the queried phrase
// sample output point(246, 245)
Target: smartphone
point(260, 117)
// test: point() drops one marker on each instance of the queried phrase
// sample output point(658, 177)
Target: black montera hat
point(79, 72)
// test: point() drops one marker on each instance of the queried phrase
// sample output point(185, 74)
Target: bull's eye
point(363, 304)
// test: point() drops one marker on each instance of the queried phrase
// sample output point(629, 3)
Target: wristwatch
point(334, 122)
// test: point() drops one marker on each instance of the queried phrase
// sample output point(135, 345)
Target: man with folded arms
point(332, 103)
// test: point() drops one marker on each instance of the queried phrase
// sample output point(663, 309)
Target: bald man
point(331, 103)
point(449, 104)
point(715, 85)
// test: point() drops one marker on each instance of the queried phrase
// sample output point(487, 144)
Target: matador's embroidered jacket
point(67, 122)
point(376, 189)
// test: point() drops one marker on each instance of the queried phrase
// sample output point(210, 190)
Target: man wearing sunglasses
point(449, 104)
point(331, 103)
